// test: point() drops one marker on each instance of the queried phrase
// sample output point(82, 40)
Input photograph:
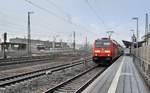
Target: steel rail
point(18, 78)
point(12, 61)
point(23, 61)
point(89, 81)
point(26, 57)
point(20, 58)
point(51, 90)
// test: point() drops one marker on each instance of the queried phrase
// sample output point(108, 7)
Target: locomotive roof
point(114, 41)
point(103, 39)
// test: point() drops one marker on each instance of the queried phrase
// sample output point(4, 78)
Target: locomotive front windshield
point(102, 43)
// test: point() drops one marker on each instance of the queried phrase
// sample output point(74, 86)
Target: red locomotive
point(105, 50)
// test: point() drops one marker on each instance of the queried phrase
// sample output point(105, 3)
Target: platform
point(120, 77)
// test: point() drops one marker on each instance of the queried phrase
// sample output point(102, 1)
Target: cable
point(93, 10)
point(14, 25)
point(67, 14)
point(60, 9)
point(20, 27)
point(90, 6)
point(52, 13)
point(48, 11)
point(15, 32)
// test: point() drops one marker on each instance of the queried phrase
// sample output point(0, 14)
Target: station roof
point(127, 43)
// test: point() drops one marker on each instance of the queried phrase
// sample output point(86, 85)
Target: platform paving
point(120, 77)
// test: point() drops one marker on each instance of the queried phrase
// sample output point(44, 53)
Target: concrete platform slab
point(120, 77)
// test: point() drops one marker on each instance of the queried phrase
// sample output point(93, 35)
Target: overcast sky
point(91, 18)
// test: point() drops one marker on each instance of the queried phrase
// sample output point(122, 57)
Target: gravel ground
point(12, 66)
point(25, 69)
point(40, 84)
point(74, 85)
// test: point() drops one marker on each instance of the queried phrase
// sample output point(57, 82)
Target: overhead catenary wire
point(95, 13)
point(21, 27)
point(59, 17)
point(48, 11)
point(66, 13)
point(99, 17)
point(24, 22)
point(18, 33)
point(59, 8)
point(13, 26)
point(16, 29)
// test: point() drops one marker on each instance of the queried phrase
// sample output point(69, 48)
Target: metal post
point(86, 44)
point(148, 33)
point(137, 32)
point(74, 41)
point(29, 35)
point(146, 29)
point(136, 18)
point(61, 44)
point(49, 43)
point(133, 39)
point(4, 45)
point(54, 39)
point(149, 28)
point(137, 37)
point(49, 46)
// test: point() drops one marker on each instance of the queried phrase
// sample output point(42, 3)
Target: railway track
point(7, 81)
point(3, 60)
point(12, 61)
point(77, 83)
point(19, 58)
point(33, 59)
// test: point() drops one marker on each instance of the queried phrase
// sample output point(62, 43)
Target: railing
point(142, 55)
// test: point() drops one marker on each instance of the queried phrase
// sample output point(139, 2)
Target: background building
point(35, 44)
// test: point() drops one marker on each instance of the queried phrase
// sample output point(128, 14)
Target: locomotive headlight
point(97, 51)
point(107, 51)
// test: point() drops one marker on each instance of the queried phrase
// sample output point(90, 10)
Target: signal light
point(5, 36)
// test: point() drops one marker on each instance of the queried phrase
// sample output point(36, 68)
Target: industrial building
point(40, 43)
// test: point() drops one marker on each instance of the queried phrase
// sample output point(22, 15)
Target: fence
point(142, 57)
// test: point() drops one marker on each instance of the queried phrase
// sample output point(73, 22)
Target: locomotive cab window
point(106, 43)
point(103, 43)
point(98, 43)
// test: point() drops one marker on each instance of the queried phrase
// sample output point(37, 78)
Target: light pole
point(132, 39)
point(49, 37)
point(146, 29)
point(74, 41)
point(137, 32)
point(29, 34)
